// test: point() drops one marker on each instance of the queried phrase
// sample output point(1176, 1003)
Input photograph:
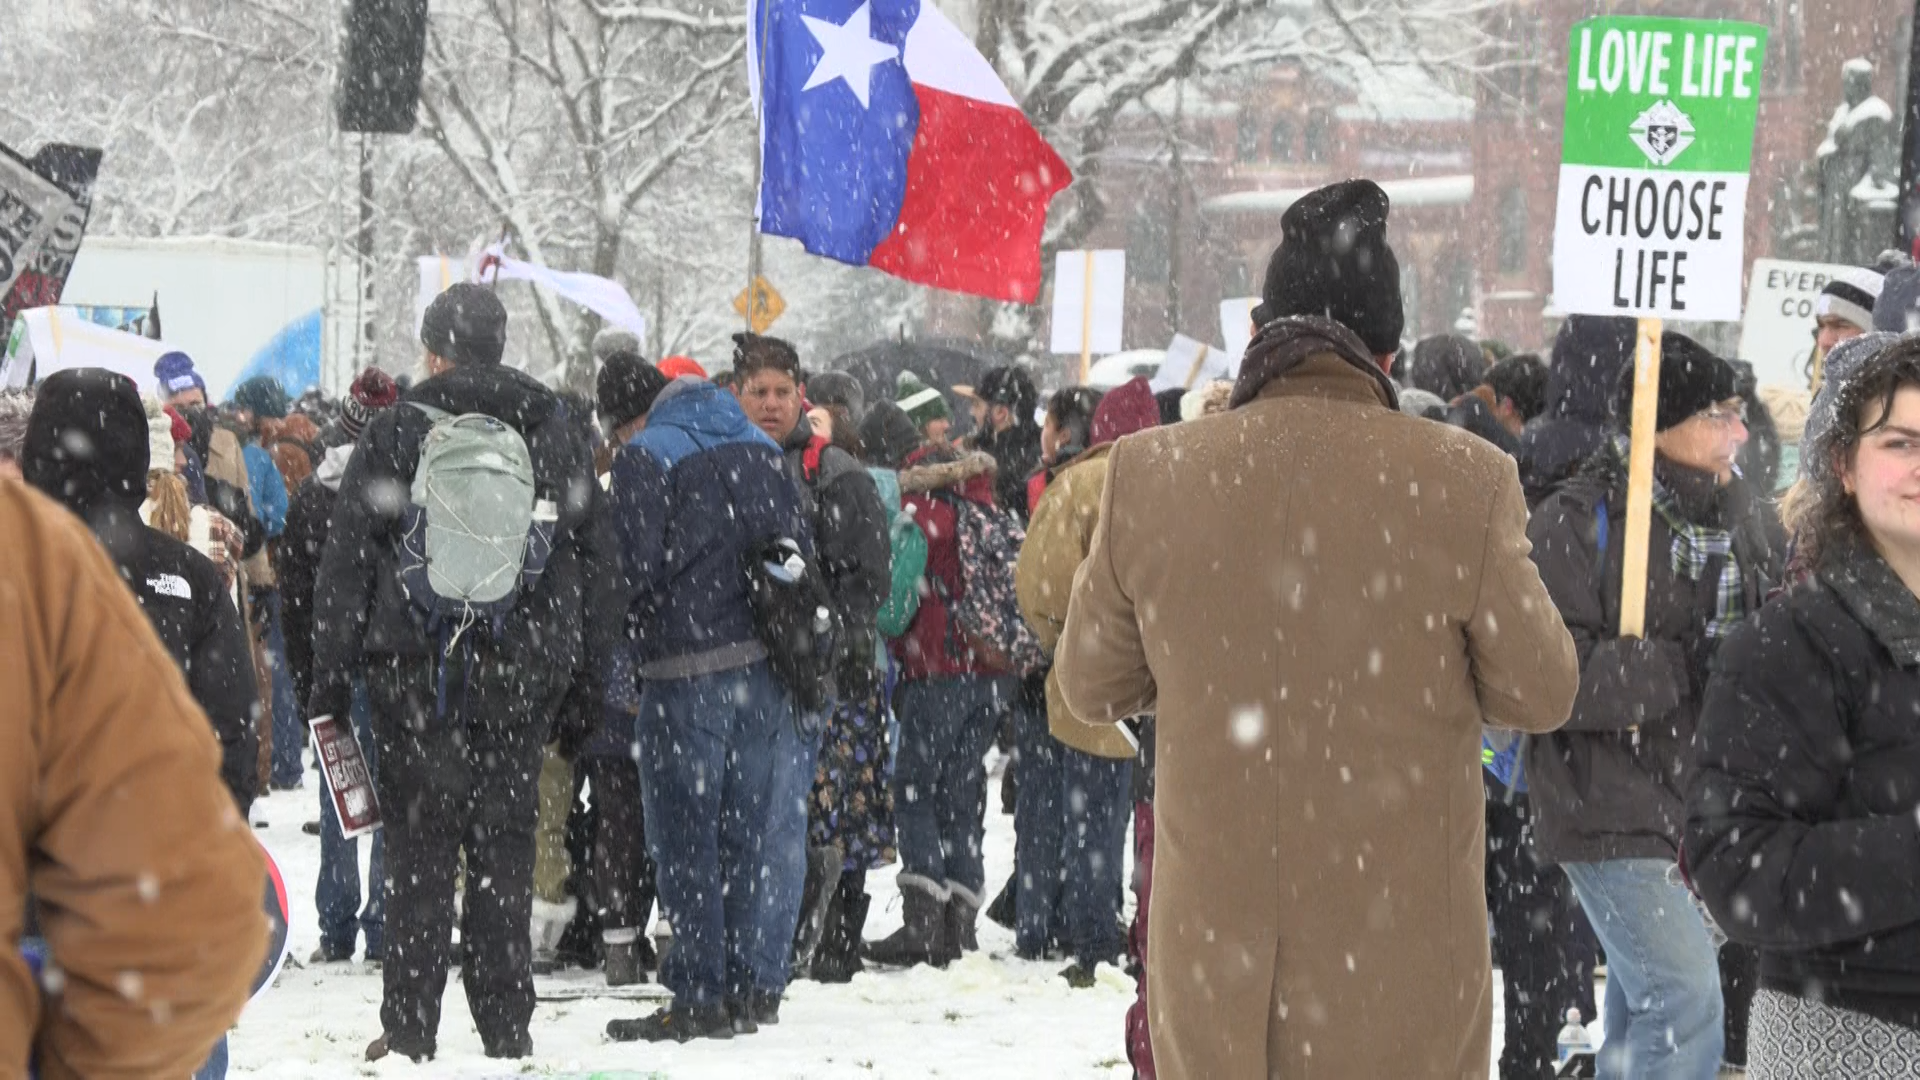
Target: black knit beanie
point(1333, 261)
point(466, 325)
point(626, 389)
point(86, 442)
point(889, 435)
point(1692, 380)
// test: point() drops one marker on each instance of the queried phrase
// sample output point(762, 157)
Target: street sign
point(760, 304)
point(1658, 143)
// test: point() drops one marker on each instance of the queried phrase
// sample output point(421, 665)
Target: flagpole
point(754, 256)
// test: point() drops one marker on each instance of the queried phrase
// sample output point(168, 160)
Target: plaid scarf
point(1693, 547)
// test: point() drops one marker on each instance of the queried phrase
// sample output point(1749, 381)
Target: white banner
point(599, 295)
point(56, 340)
point(1104, 317)
point(1236, 325)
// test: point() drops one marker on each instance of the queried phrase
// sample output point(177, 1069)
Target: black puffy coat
point(1601, 789)
point(850, 539)
point(1017, 453)
point(182, 594)
point(558, 626)
point(1588, 356)
point(301, 544)
point(1803, 827)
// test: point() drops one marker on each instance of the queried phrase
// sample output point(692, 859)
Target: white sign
point(1236, 325)
point(1190, 364)
point(1777, 334)
point(1104, 317)
point(1669, 246)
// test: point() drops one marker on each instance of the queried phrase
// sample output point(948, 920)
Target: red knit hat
point(674, 367)
point(182, 431)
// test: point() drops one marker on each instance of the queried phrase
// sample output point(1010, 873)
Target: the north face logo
point(171, 585)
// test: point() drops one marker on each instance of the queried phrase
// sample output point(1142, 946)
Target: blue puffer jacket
point(269, 490)
point(690, 494)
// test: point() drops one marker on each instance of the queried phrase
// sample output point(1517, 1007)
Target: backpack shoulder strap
point(1600, 526)
point(433, 414)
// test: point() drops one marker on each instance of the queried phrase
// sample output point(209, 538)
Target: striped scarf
point(1694, 546)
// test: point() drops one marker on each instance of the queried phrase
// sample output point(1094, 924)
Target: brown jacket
point(1323, 600)
point(1057, 542)
point(112, 817)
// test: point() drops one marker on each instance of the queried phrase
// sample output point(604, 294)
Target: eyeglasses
point(1726, 416)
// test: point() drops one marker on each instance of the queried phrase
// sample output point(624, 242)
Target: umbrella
point(942, 367)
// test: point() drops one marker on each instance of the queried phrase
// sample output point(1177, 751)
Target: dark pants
point(940, 778)
point(622, 873)
point(1039, 831)
point(336, 892)
point(725, 773)
point(463, 781)
point(1739, 979)
point(1539, 942)
point(289, 729)
point(1097, 803)
point(1139, 1039)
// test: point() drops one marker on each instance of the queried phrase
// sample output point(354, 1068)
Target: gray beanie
point(1843, 365)
point(838, 388)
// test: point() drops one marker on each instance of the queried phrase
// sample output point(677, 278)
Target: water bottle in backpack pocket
point(474, 532)
point(794, 617)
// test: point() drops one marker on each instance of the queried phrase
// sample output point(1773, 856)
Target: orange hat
point(674, 367)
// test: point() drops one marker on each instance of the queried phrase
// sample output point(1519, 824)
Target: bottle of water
point(1573, 1038)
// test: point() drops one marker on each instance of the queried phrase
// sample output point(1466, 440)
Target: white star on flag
point(849, 52)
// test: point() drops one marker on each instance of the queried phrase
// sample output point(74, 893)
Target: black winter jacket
point(359, 608)
point(1017, 453)
point(301, 544)
point(1611, 783)
point(182, 594)
point(1803, 827)
point(850, 538)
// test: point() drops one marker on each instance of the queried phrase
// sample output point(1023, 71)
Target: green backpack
point(909, 547)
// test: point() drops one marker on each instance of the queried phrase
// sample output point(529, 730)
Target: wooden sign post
point(1645, 424)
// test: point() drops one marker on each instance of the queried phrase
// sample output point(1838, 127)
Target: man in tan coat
point(1323, 600)
point(146, 881)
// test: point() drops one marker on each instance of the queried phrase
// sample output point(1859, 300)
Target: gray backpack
point(475, 533)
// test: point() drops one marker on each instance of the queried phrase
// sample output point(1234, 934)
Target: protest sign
point(349, 782)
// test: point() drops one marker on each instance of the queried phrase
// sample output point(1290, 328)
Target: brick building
point(1516, 136)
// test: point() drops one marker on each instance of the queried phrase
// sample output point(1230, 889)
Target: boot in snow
point(923, 940)
point(961, 914)
point(388, 1044)
point(675, 1024)
point(838, 960)
point(622, 964)
point(816, 897)
point(1002, 909)
point(1080, 976)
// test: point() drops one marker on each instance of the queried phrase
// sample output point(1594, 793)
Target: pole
point(1178, 182)
point(1646, 412)
point(363, 302)
point(1906, 225)
point(1086, 321)
point(754, 263)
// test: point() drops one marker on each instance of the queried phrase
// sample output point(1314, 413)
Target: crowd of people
point(1337, 644)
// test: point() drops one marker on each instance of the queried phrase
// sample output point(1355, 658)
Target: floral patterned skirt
point(852, 803)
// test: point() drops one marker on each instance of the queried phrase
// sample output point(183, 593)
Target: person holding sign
point(1801, 833)
point(1607, 789)
point(1323, 600)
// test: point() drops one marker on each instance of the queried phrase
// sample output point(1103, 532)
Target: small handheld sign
point(349, 781)
point(1651, 216)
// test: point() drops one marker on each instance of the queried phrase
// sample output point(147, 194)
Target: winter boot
point(838, 960)
point(1080, 975)
point(675, 1023)
point(622, 964)
point(390, 1044)
point(1002, 909)
point(961, 914)
point(823, 880)
point(740, 1015)
point(923, 939)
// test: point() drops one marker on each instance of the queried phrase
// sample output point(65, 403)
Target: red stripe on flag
point(978, 184)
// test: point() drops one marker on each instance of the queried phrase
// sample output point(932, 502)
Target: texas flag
point(888, 141)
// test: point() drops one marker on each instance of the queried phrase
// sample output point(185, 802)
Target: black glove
point(332, 696)
point(578, 716)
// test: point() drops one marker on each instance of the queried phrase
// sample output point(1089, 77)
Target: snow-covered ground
point(988, 1016)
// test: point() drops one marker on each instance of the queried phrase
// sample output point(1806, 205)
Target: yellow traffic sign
point(767, 305)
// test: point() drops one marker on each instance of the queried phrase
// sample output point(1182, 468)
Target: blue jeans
point(288, 732)
point(216, 1066)
point(725, 774)
point(940, 776)
point(1039, 830)
point(1663, 1010)
point(1097, 802)
point(336, 894)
